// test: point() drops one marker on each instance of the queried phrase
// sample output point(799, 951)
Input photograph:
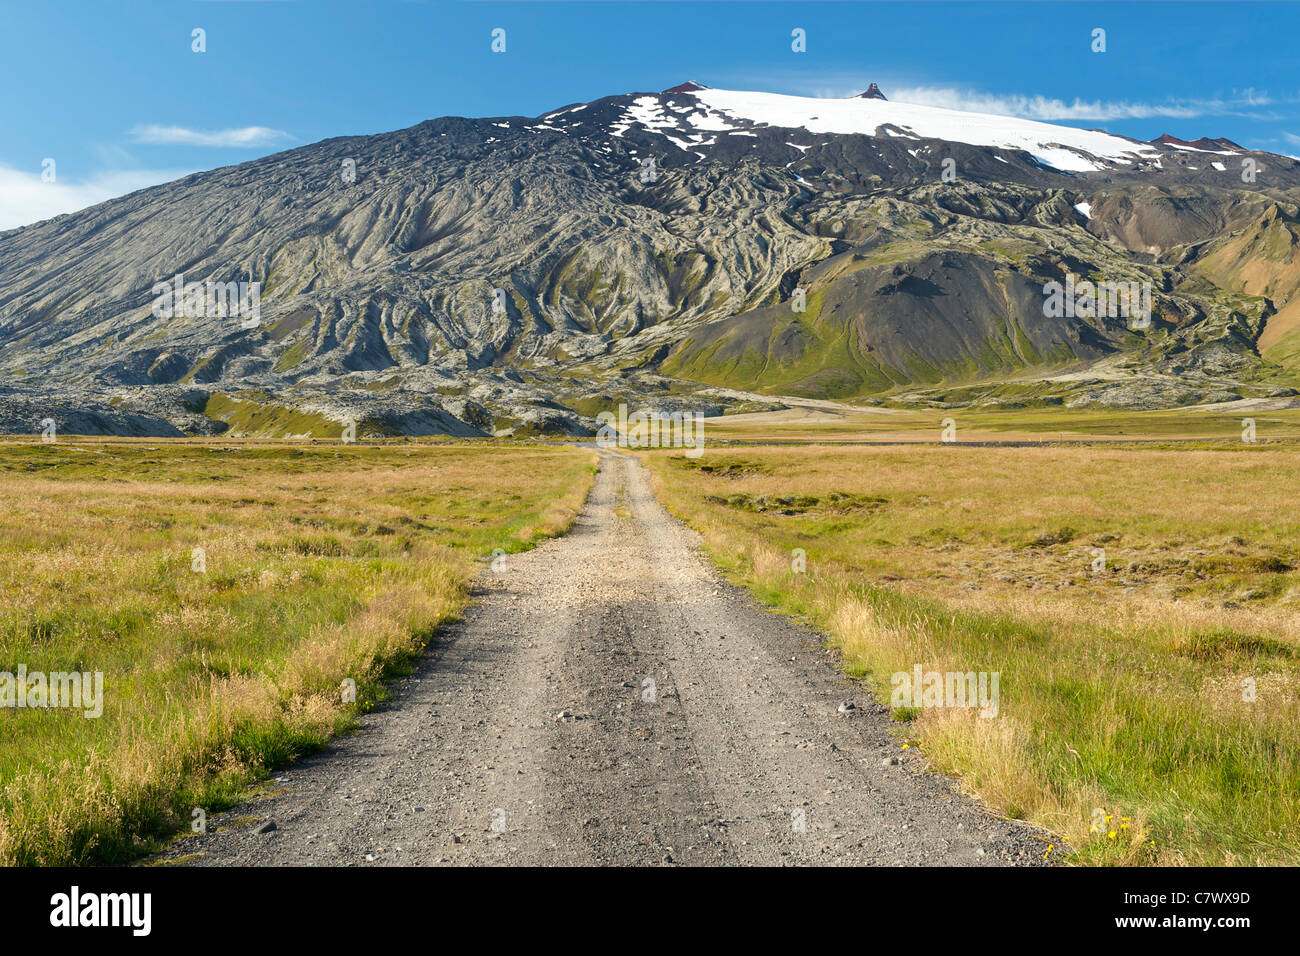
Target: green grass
point(1121, 688)
point(320, 564)
point(294, 355)
point(248, 418)
point(1046, 424)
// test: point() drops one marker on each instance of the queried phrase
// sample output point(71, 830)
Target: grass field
point(226, 592)
point(834, 422)
point(1141, 605)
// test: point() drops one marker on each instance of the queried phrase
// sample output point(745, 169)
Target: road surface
point(608, 700)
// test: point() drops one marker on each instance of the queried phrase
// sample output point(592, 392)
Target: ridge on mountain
point(872, 92)
point(1204, 144)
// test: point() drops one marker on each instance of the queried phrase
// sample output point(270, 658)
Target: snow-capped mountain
point(870, 141)
point(512, 274)
point(894, 142)
point(693, 117)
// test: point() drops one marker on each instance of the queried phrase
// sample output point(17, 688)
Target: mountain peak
point(873, 93)
point(1204, 143)
point(690, 86)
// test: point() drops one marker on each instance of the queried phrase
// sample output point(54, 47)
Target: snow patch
point(1052, 144)
point(1196, 149)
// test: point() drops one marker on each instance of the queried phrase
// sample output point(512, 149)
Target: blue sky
point(113, 93)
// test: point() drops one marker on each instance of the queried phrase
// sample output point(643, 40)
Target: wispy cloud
point(25, 199)
point(1248, 103)
point(243, 136)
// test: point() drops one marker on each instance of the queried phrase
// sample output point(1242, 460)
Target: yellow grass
point(1121, 685)
point(322, 564)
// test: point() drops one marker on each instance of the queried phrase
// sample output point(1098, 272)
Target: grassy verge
point(1140, 606)
point(227, 592)
point(1046, 425)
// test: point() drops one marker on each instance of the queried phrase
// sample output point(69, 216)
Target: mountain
point(1222, 146)
point(648, 248)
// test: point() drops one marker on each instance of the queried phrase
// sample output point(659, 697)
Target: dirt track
point(524, 738)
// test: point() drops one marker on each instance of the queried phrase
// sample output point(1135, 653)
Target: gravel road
point(608, 700)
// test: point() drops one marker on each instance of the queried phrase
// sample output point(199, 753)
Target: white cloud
point(1247, 103)
point(242, 136)
point(1050, 108)
point(24, 199)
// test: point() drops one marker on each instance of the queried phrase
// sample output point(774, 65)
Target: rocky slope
point(647, 249)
